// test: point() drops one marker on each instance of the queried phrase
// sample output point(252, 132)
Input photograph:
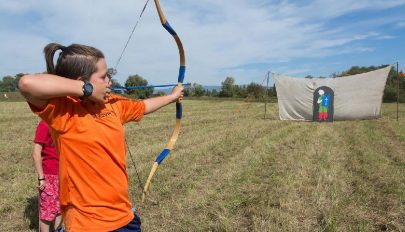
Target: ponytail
point(50, 51)
point(73, 62)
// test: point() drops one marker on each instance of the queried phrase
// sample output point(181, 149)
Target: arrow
point(144, 86)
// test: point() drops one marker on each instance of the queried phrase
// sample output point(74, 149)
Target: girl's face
point(101, 76)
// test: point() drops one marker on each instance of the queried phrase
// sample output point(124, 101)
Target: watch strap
point(85, 88)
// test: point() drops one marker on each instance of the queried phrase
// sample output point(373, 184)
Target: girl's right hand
point(41, 185)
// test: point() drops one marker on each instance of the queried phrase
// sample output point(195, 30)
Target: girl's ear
point(80, 79)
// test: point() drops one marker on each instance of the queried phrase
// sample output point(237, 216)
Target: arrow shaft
point(144, 86)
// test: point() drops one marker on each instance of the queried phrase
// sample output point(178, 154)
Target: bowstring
point(114, 71)
point(130, 154)
point(130, 36)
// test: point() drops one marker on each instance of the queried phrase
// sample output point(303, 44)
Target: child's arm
point(39, 88)
point(153, 104)
point(37, 160)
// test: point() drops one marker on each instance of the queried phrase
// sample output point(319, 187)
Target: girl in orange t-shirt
point(86, 122)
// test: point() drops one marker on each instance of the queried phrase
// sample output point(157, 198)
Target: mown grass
point(235, 171)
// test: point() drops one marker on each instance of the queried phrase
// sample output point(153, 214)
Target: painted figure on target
point(323, 104)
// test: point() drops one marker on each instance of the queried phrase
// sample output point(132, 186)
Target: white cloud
point(384, 37)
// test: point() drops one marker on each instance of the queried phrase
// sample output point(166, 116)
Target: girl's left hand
point(177, 93)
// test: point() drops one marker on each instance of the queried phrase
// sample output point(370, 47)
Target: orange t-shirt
point(92, 165)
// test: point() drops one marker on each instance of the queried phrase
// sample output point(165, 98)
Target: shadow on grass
point(31, 212)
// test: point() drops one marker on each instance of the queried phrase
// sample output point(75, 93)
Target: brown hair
point(74, 61)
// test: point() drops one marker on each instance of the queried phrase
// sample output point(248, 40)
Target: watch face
point(87, 89)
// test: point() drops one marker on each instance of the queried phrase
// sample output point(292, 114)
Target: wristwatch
point(87, 89)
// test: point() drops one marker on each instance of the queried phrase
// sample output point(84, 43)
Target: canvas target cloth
point(355, 97)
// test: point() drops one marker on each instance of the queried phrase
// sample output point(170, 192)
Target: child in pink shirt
point(46, 162)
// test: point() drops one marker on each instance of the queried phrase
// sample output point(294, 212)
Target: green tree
point(228, 87)
point(391, 88)
point(390, 93)
point(187, 90)
point(8, 84)
point(358, 70)
point(136, 80)
point(255, 90)
point(273, 91)
point(197, 90)
point(214, 93)
point(240, 91)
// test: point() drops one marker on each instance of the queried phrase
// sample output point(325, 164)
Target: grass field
point(237, 171)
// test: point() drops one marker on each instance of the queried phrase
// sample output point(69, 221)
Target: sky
point(243, 39)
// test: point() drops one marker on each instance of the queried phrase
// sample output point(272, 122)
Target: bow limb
point(179, 108)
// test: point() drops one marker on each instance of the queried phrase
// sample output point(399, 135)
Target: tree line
point(229, 88)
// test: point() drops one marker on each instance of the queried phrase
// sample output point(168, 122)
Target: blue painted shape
point(179, 110)
point(162, 156)
point(169, 28)
point(325, 100)
point(182, 71)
